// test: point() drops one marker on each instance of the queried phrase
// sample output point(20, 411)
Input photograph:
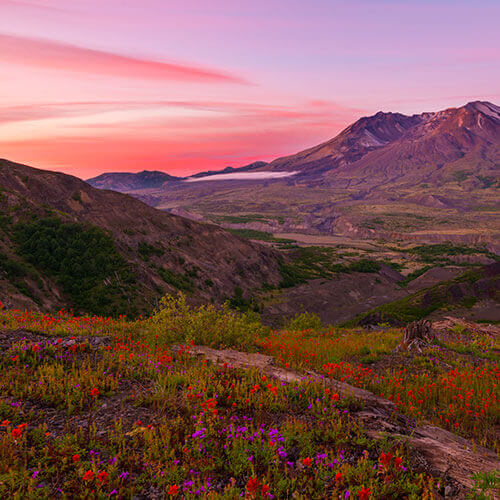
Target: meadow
point(96, 407)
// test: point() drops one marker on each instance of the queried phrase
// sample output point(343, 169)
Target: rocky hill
point(65, 243)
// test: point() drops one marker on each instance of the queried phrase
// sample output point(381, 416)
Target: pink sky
point(90, 86)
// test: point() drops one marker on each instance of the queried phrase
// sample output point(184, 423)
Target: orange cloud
point(61, 56)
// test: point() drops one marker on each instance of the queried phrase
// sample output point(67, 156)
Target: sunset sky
point(88, 86)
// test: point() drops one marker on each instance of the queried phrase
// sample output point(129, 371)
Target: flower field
point(103, 408)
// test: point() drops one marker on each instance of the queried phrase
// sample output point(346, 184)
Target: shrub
point(176, 321)
point(305, 321)
point(365, 266)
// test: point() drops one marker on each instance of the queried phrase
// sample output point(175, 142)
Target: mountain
point(63, 242)
point(430, 177)
point(123, 181)
point(390, 148)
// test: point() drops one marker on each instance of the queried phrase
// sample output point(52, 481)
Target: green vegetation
point(448, 294)
point(241, 219)
point(83, 260)
point(304, 321)
point(319, 262)
point(438, 251)
point(364, 266)
point(146, 250)
point(207, 324)
point(180, 281)
point(253, 234)
point(413, 275)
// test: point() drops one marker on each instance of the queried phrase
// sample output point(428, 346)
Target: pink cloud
point(241, 110)
point(61, 56)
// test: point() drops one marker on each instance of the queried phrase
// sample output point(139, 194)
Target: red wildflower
point(102, 476)
point(386, 459)
point(253, 485)
point(338, 477)
point(397, 462)
point(88, 475)
point(18, 431)
point(76, 458)
point(364, 493)
point(265, 489)
point(94, 392)
point(173, 490)
point(307, 462)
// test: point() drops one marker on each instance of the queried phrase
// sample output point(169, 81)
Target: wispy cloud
point(312, 110)
point(57, 55)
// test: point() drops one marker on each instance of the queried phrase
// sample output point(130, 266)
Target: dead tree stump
point(417, 335)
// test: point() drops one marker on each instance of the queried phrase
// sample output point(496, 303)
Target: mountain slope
point(157, 250)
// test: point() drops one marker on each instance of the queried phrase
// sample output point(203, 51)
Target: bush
point(365, 266)
point(177, 280)
point(305, 321)
point(176, 321)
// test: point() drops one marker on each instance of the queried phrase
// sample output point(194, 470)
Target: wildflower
point(18, 431)
point(94, 392)
point(338, 477)
point(265, 489)
point(364, 493)
point(173, 490)
point(102, 476)
point(88, 476)
point(76, 458)
point(386, 459)
point(307, 462)
point(397, 462)
point(253, 485)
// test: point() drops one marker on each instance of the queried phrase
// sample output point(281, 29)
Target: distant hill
point(123, 181)
point(63, 242)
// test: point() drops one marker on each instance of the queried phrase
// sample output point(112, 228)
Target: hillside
point(431, 177)
point(467, 289)
point(64, 243)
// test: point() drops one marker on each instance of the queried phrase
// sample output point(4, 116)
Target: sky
point(92, 86)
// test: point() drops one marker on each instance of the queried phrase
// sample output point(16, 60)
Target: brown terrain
point(217, 261)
